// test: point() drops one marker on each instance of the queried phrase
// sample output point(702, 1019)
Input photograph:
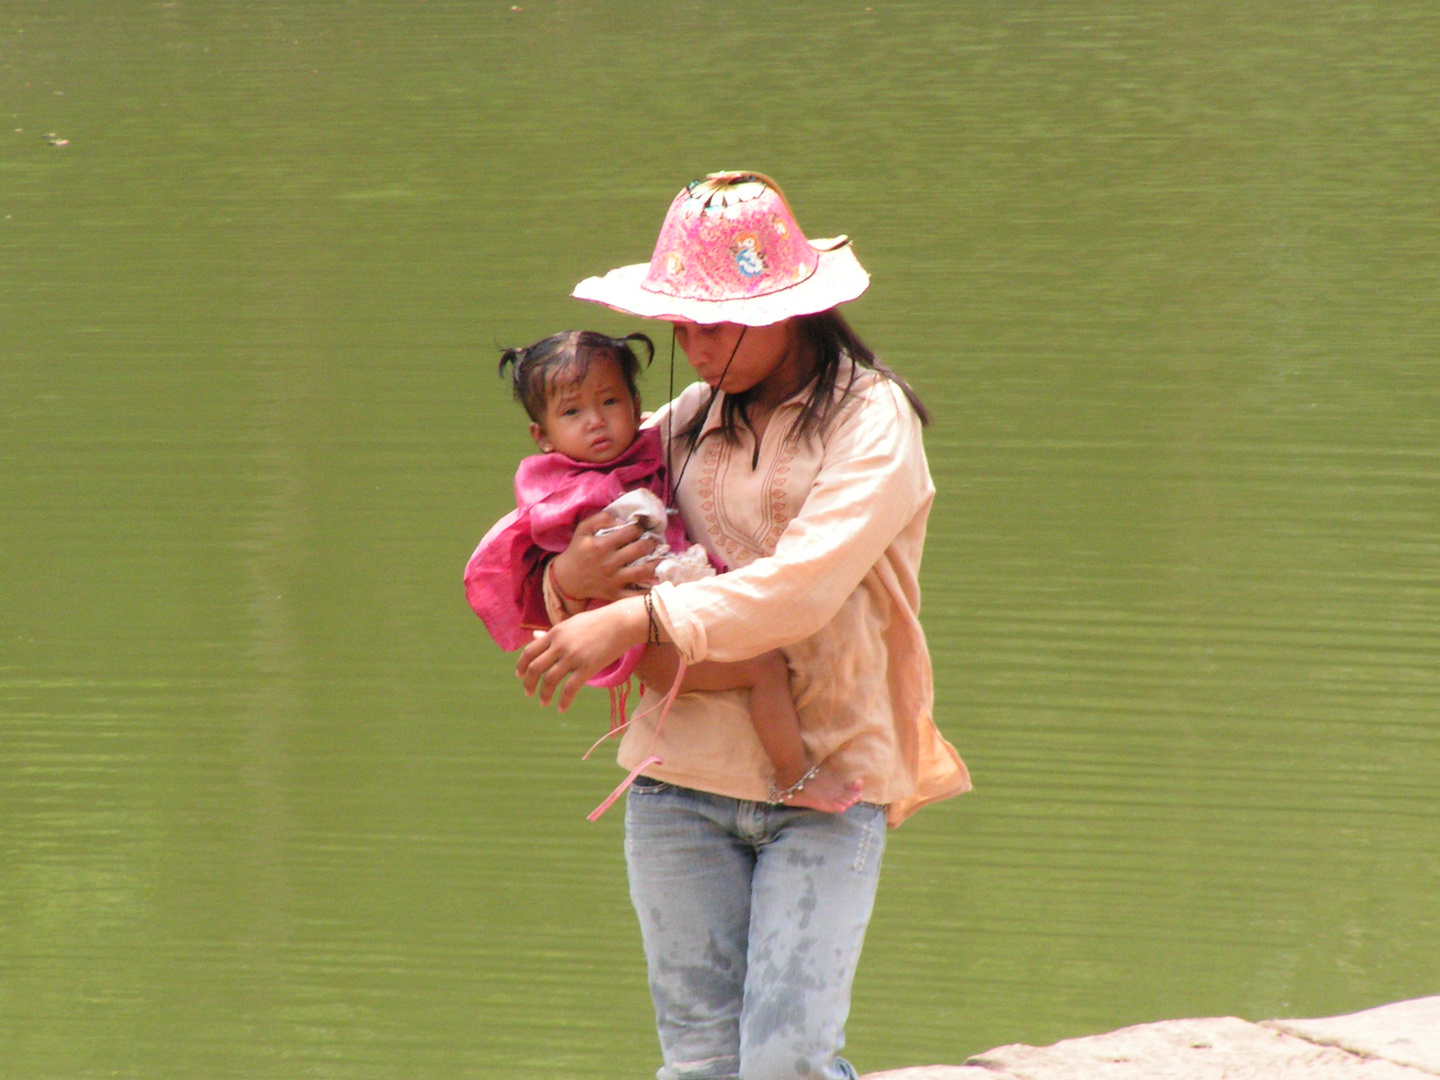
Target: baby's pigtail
point(624, 343)
point(511, 358)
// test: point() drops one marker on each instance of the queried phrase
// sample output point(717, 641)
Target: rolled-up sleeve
point(872, 482)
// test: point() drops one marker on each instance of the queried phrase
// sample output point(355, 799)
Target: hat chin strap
point(674, 487)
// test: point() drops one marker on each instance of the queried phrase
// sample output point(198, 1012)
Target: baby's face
point(593, 419)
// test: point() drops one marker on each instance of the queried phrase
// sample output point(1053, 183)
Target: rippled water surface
point(1168, 274)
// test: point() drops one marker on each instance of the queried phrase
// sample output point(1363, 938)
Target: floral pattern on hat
point(749, 259)
point(712, 234)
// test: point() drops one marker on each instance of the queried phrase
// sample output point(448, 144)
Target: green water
point(1168, 274)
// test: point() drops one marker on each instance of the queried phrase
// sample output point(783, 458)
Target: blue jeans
point(752, 917)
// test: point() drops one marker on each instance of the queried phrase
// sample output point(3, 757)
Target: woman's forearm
point(867, 503)
point(565, 657)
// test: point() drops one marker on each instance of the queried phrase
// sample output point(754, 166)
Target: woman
point(798, 463)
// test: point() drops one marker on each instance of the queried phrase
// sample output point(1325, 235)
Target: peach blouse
point(822, 542)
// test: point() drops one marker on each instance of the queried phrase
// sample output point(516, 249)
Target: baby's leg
point(772, 713)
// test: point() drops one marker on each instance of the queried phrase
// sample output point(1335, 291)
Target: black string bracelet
point(652, 634)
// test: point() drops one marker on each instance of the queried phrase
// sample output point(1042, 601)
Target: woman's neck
point(794, 370)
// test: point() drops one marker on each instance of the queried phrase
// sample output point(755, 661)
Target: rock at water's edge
point(1407, 1032)
point(1393, 1042)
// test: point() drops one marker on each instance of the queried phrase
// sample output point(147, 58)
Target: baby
point(579, 389)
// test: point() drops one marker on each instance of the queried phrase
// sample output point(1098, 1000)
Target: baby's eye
point(571, 411)
point(612, 401)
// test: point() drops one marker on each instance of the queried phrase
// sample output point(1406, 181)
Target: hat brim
point(838, 278)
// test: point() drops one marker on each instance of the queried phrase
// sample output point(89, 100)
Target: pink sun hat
point(731, 251)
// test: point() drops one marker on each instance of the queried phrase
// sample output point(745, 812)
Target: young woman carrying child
point(579, 389)
point(809, 483)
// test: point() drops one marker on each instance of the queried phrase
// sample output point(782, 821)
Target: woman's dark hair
point(537, 369)
point(828, 338)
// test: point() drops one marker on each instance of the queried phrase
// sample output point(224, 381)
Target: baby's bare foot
point(827, 792)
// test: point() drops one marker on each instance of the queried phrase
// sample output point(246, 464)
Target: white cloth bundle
point(643, 507)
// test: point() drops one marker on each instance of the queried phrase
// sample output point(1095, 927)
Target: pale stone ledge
point(1407, 1032)
point(1393, 1042)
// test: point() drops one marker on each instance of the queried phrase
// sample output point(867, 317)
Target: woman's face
point(767, 355)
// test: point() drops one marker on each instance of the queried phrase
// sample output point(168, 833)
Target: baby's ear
point(538, 434)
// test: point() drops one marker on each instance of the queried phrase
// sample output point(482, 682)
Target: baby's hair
point(537, 369)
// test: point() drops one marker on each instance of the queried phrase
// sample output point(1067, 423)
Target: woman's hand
point(580, 647)
point(598, 567)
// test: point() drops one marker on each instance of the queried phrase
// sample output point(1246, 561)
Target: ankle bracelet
point(779, 795)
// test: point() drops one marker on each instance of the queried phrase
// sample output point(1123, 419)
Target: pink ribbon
point(652, 758)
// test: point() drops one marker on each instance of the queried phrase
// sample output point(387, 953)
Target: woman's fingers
point(561, 659)
point(615, 544)
point(546, 675)
point(637, 548)
point(528, 656)
point(597, 567)
point(628, 571)
point(537, 667)
point(547, 664)
point(635, 579)
point(615, 557)
point(550, 680)
point(602, 519)
point(571, 688)
point(607, 548)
